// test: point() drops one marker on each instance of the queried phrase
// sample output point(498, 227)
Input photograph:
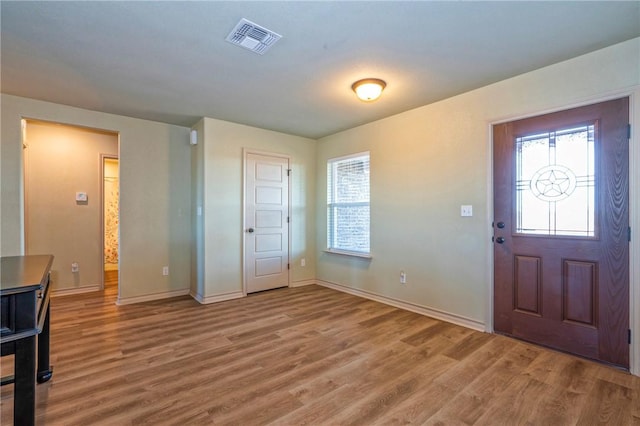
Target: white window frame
point(331, 192)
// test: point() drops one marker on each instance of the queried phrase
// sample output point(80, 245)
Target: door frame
point(634, 210)
point(24, 121)
point(245, 153)
point(102, 223)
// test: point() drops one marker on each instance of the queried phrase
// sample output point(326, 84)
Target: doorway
point(110, 221)
point(266, 222)
point(63, 200)
point(561, 230)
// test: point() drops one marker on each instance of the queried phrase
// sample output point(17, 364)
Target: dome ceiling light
point(368, 89)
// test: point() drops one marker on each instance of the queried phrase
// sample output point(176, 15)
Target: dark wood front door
point(561, 243)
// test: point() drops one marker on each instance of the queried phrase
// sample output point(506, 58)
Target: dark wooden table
point(24, 314)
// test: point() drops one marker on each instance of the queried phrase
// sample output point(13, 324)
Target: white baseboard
point(422, 310)
point(302, 283)
point(75, 290)
point(150, 297)
point(217, 297)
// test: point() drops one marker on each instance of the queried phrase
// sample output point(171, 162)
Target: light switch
point(81, 196)
point(466, 210)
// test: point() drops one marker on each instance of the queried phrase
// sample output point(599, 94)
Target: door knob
point(500, 240)
point(500, 225)
point(250, 230)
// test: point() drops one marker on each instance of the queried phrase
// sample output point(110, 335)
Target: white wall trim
point(488, 317)
point(150, 297)
point(218, 297)
point(104, 157)
point(302, 283)
point(76, 290)
point(634, 217)
point(407, 306)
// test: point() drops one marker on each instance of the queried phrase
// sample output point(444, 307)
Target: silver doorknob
point(250, 230)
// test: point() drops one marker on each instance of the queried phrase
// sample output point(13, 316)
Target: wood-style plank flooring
point(306, 355)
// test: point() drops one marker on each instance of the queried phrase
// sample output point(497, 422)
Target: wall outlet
point(75, 267)
point(165, 270)
point(403, 277)
point(303, 262)
point(466, 210)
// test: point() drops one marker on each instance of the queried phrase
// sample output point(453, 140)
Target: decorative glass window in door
point(555, 182)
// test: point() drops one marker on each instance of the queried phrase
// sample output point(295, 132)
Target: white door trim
point(634, 212)
point(245, 153)
point(104, 157)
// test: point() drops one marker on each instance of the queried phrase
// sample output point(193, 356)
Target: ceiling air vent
point(252, 36)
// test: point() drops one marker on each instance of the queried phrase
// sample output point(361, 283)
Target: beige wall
point(60, 161)
point(427, 162)
point(219, 163)
point(197, 222)
point(155, 197)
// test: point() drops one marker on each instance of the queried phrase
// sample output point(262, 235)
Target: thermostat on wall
point(81, 196)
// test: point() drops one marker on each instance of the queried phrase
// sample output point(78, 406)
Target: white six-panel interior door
point(266, 217)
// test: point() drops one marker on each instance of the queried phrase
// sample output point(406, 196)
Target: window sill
point(349, 253)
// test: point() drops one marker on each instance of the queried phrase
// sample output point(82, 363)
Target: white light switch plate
point(81, 196)
point(466, 210)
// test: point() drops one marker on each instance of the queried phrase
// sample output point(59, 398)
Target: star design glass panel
point(555, 182)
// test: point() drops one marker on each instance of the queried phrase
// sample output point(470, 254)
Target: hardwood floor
point(306, 355)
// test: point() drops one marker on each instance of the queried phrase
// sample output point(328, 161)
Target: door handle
point(250, 230)
point(500, 240)
point(500, 225)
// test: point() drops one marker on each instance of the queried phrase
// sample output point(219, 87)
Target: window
point(348, 204)
point(555, 182)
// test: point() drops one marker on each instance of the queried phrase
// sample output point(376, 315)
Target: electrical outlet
point(165, 270)
point(466, 210)
point(303, 262)
point(403, 277)
point(75, 267)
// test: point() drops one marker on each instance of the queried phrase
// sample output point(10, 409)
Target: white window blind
point(348, 204)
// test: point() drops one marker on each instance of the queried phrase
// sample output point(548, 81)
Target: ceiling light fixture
point(368, 89)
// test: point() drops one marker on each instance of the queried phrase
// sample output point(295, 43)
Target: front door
point(561, 230)
point(266, 227)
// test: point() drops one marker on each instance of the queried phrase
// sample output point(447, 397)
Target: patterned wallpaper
point(112, 195)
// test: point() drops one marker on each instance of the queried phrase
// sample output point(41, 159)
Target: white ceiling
point(169, 61)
